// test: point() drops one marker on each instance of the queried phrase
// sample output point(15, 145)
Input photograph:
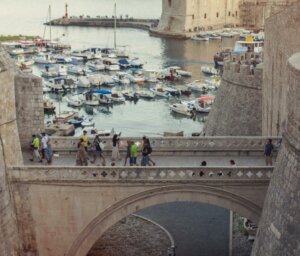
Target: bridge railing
point(177, 144)
point(138, 174)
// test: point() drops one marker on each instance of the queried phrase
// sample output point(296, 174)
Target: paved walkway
point(184, 161)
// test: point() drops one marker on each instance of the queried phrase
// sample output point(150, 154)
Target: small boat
point(87, 122)
point(145, 94)
point(42, 58)
point(214, 36)
point(60, 84)
point(137, 78)
point(226, 34)
point(65, 116)
point(62, 59)
point(172, 91)
point(95, 65)
point(54, 70)
point(117, 97)
point(159, 91)
point(108, 52)
point(200, 37)
point(121, 78)
point(83, 82)
point(24, 62)
point(202, 104)
point(73, 101)
point(107, 80)
point(76, 70)
point(131, 96)
point(136, 63)
point(85, 55)
point(184, 90)
point(208, 70)
point(76, 121)
point(122, 53)
point(104, 96)
point(90, 99)
point(111, 65)
point(124, 64)
point(95, 52)
point(150, 76)
point(48, 105)
point(197, 86)
point(181, 72)
point(181, 109)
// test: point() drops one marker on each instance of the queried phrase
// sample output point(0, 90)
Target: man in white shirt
point(44, 145)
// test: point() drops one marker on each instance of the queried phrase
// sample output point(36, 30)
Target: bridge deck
point(163, 161)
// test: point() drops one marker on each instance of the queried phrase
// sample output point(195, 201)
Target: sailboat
point(120, 53)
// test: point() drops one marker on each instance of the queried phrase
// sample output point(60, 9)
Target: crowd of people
point(94, 149)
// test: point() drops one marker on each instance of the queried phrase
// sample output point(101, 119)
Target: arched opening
point(94, 230)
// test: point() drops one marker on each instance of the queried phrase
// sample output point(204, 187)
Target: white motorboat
point(24, 62)
point(137, 78)
point(59, 84)
point(76, 70)
point(197, 86)
point(226, 34)
point(95, 52)
point(90, 99)
point(85, 55)
point(131, 96)
point(136, 63)
point(202, 104)
point(215, 36)
point(95, 79)
point(111, 65)
point(181, 109)
point(83, 82)
point(172, 91)
point(116, 97)
point(159, 91)
point(122, 52)
point(62, 59)
point(54, 70)
point(107, 80)
point(104, 96)
point(200, 37)
point(42, 58)
point(95, 65)
point(121, 78)
point(145, 94)
point(87, 122)
point(150, 76)
point(74, 101)
point(209, 70)
point(179, 71)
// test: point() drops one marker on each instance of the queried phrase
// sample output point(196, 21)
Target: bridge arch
point(175, 193)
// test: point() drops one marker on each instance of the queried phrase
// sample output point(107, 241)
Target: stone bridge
point(64, 210)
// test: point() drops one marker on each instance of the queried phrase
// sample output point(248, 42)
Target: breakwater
point(145, 24)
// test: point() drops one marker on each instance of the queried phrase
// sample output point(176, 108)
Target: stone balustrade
point(138, 174)
point(178, 144)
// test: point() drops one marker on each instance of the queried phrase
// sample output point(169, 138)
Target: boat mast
point(50, 22)
point(115, 27)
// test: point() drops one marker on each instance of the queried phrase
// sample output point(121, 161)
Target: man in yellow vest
point(36, 146)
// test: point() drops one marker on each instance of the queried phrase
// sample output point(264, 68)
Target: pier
point(105, 22)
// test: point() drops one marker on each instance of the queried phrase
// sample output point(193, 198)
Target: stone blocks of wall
point(237, 108)
point(10, 153)
point(279, 229)
point(29, 105)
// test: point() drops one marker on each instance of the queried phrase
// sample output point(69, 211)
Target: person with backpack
point(98, 150)
point(148, 150)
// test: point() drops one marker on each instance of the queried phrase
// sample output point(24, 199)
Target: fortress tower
point(182, 16)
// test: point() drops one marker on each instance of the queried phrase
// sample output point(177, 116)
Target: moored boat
point(181, 109)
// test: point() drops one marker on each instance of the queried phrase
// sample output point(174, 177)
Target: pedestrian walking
point(146, 141)
point(115, 155)
point(97, 150)
point(81, 158)
point(269, 148)
point(129, 142)
point(145, 154)
point(133, 154)
point(232, 163)
point(35, 147)
point(44, 145)
point(49, 153)
point(85, 140)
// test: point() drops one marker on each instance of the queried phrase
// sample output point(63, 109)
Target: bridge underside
point(67, 209)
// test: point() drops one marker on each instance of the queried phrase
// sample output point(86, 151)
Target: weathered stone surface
point(237, 108)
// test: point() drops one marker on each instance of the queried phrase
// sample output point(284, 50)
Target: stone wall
point(237, 108)
point(10, 153)
point(279, 229)
point(281, 41)
point(29, 105)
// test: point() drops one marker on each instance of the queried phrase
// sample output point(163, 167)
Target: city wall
point(237, 108)
point(279, 228)
point(10, 153)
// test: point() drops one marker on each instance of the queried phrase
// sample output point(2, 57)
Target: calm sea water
point(144, 117)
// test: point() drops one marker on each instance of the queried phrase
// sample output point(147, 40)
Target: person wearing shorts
point(133, 154)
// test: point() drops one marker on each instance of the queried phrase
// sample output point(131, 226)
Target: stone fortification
point(10, 153)
point(279, 229)
point(237, 108)
point(29, 105)
point(282, 40)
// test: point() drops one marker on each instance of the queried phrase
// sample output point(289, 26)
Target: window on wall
point(236, 13)
point(205, 15)
point(229, 13)
point(170, 3)
point(217, 15)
